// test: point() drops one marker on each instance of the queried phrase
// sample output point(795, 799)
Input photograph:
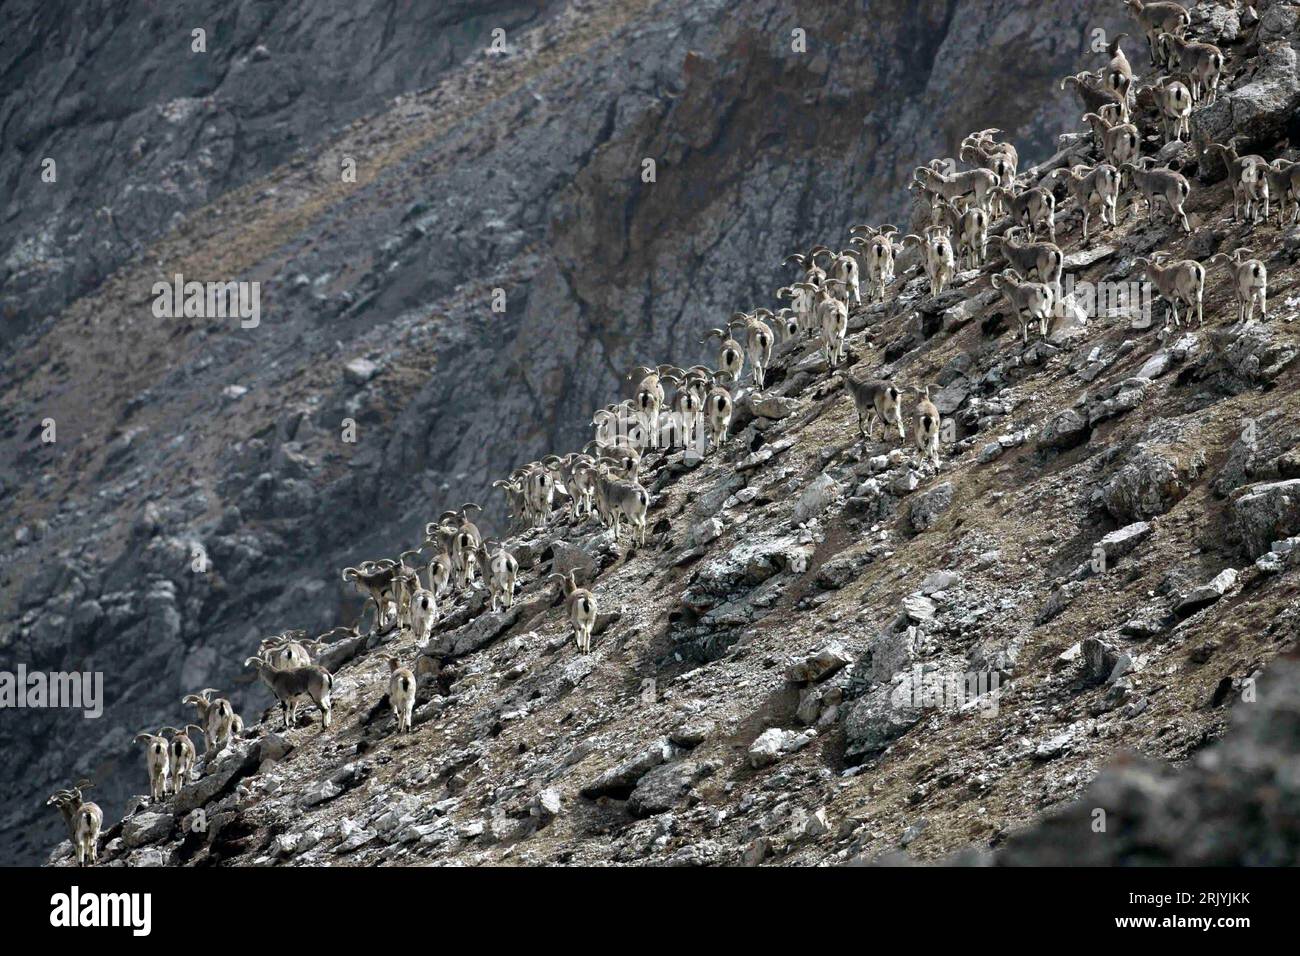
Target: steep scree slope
point(750, 696)
point(795, 535)
point(517, 171)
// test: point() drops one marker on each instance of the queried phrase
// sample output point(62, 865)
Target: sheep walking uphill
point(289, 685)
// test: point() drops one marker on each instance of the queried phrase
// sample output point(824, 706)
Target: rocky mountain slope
point(751, 693)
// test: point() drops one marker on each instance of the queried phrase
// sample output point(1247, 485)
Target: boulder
point(1267, 512)
point(816, 498)
point(623, 777)
point(1064, 430)
point(663, 788)
point(1205, 595)
point(148, 827)
point(1152, 480)
point(819, 666)
point(929, 505)
point(1102, 661)
point(1257, 111)
point(771, 745)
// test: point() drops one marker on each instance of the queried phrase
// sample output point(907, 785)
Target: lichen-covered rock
point(1222, 810)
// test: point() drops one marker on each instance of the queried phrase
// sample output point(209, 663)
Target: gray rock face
point(1255, 109)
point(519, 175)
point(1267, 512)
point(1154, 476)
point(147, 143)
